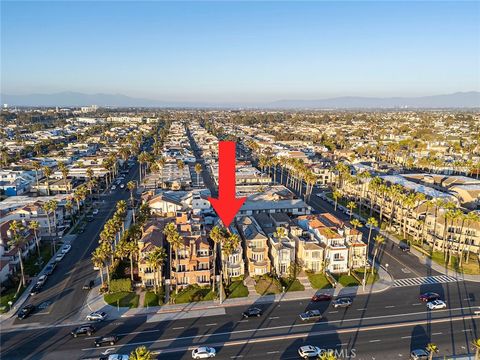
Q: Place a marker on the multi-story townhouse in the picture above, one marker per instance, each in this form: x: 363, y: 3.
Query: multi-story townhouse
x: 256, y: 246
x: 152, y: 238
x: 310, y: 251
x: 9, y: 252
x: 233, y: 262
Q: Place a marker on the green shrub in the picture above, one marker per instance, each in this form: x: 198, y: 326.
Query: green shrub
x: 120, y: 285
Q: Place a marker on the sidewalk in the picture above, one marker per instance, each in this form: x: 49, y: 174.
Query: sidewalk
x: 95, y: 300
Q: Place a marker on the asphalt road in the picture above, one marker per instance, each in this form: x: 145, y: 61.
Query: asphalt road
x: 62, y: 297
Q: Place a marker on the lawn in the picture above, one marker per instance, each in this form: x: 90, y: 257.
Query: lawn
x: 237, y: 289
x: 151, y: 299
x: 122, y: 299
x: 318, y: 281
x: 292, y: 285
x: 346, y: 280
x: 370, y: 279
x: 193, y: 293
x: 472, y: 268
x: 32, y: 266
x: 267, y: 285
x: 8, y: 295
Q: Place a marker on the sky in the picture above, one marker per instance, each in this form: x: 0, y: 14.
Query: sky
x: 240, y: 51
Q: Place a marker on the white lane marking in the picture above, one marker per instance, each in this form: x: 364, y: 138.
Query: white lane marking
x: 362, y: 309
x: 376, y: 340
x: 466, y: 330
x: 437, y: 333
x: 273, y: 352
x: 242, y: 321
x: 389, y: 306
x: 236, y: 356
x: 213, y: 324
x: 179, y: 328
x: 416, y: 304
x: 274, y: 317
x: 333, y: 312
x: 342, y: 344
x: 406, y: 337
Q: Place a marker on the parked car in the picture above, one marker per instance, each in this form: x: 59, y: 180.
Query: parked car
x: 83, y: 330
x: 476, y: 312
x: 59, y: 257
x: 49, y: 269
x: 321, y: 297
x: 88, y: 285
x: 404, y: 247
x: 108, y: 339
x: 419, y: 354
x: 89, y: 218
x: 95, y: 211
x: 309, y: 352
x: 251, y: 312
x: 26, y: 311
x: 122, y: 185
x: 343, y: 302
x: 429, y: 296
x: 311, y: 315
x: 66, y: 248
x: 436, y: 305
x: 97, y: 316
x: 118, y: 357
x: 36, y: 289
x: 203, y: 352
x: 42, y: 280
x: 114, y: 187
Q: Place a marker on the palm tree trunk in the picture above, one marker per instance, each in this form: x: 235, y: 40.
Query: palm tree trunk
x: 21, y: 265
x: 131, y: 265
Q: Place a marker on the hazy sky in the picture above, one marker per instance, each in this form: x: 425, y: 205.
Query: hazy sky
x: 240, y: 51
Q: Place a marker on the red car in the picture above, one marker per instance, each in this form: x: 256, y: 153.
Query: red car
x: 321, y: 297
x: 429, y: 296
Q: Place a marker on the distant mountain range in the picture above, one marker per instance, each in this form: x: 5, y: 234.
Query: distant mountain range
x: 66, y: 99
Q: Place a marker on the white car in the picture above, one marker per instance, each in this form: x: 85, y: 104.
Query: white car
x: 95, y: 211
x: 476, y: 312
x: 122, y: 185
x: 113, y: 187
x: 203, y: 352
x: 60, y: 257
x: 41, y: 280
x: 309, y: 351
x: 66, y: 249
x: 97, y: 316
x: 118, y: 357
x: 436, y: 305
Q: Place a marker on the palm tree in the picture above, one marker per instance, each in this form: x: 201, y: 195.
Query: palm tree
x: 327, y: 355
x: 98, y: 260
x: 131, y: 186
x: 476, y: 345
x: 47, y: 172
x: 142, y: 159
x: 131, y: 248
x: 336, y: 195
x: 371, y: 223
x: 198, y: 171
x: 218, y: 235
x: 379, y: 240
x: 174, y: 241
x: 17, y: 241
x: 229, y: 246
x: 351, y: 206
x: 141, y: 353
x: 432, y: 349
x: 36, y: 166
x: 34, y: 226
x: 155, y: 260
x: 356, y: 223
x: 64, y: 170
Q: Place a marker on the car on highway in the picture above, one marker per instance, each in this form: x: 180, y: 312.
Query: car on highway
x: 436, y: 305
x: 83, y: 330
x: 66, y: 248
x: 116, y: 357
x: 97, y: 316
x: 88, y: 284
x: 343, y: 302
x: 476, y: 312
x: 419, y: 354
x: 122, y: 185
x: 95, y: 211
x: 108, y: 339
x: 42, y: 280
x: 429, y: 296
x: 36, y: 289
x: 252, y: 312
x: 49, y: 269
x: 59, y: 257
x: 310, y: 315
x: 321, y: 297
x: 203, y: 352
x: 309, y: 352
x: 114, y: 187
x: 26, y: 311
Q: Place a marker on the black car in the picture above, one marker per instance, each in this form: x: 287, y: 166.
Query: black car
x: 88, y: 284
x: 26, y: 311
x: 36, y: 289
x: 342, y: 302
x: 252, y: 312
x: 83, y: 330
x: 109, y: 339
x: 49, y: 269
x: 429, y: 296
x: 404, y: 247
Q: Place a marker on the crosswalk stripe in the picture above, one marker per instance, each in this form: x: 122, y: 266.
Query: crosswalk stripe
x: 439, y: 279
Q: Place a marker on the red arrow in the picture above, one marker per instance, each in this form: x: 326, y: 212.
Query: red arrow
x: 227, y: 205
